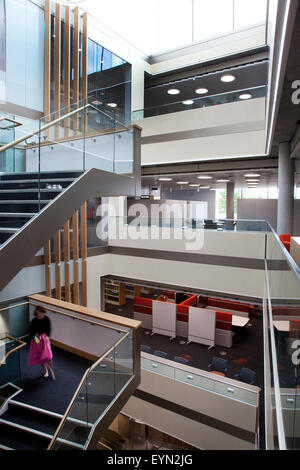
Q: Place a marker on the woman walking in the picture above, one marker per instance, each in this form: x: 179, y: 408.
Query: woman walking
x: 40, y: 347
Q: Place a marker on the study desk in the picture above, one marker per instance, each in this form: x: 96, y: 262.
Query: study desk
x: 282, y: 325
x: 240, y: 322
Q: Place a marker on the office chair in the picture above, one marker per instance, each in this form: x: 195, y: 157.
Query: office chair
x: 182, y: 360
x: 160, y: 354
x: 246, y: 375
x: 218, y: 365
x: 145, y: 348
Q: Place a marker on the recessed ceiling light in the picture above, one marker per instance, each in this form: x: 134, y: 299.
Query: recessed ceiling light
x: 212, y: 189
x: 204, y: 187
x: 173, y: 91
x: 182, y: 182
x: 204, y: 177
x: 97, y: 103
x: 223, y: 181
x: 201, y: 91
x: 245, y: 96
x: 227, y: 78
x: 188, y: 102
x: 252, y: 181
x: 254, y: 175
x: 165, y: 179
x: 112, y: 105
x: 194, y: 185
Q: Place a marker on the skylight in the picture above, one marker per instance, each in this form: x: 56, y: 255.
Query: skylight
x: 155, y: 26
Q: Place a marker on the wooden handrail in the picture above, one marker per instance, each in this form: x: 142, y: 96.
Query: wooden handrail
x: 22, y: 344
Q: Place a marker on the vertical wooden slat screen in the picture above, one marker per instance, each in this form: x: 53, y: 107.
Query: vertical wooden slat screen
x: 57, y: 67
x: 76, y: 56
x: 57, y: 260
x: 47, y: 256
x: 83, y: 230
x: 47, y: 69
x: 67, y: 67
x: 84, y: 57
x: 75, y: 257
x: 67, y: 261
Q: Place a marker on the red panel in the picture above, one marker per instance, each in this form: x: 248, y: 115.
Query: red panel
x: 170, y: 294
x: 190, y: 301
x: 143, y: 309
x: 224, y: 316
x: 228, y: 304
x: 182, y: 317
x: 182, y: 309
x: 221, y: 325
x: 285, y: 237
x: 142, y: 301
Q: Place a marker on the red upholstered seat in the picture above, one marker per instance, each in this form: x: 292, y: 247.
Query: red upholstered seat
x: 286, y: 241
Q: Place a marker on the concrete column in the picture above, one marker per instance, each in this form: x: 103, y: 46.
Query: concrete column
x: 230, y: 201
x: 286, y: 181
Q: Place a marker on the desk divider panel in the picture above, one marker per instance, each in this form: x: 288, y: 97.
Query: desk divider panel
x: 202, y: 326
x: 164, y: 318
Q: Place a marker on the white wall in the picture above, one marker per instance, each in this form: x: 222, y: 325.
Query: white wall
x: 228, y: 130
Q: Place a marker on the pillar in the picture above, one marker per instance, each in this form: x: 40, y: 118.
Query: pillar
x: 286, y: 177
x: 230, y: 201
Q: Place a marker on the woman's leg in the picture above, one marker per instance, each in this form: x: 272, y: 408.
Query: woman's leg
x: 46, y: 373
x: 49, y: 369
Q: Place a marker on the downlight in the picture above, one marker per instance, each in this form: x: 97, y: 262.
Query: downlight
x: 173, y: 91
x: 201, y: 91
x: 227, y: 78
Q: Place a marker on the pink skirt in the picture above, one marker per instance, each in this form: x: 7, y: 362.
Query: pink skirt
x: 40, y: 353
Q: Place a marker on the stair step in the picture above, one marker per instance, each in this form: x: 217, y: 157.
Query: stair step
x: 32, y: 419
x: 20, y: 427
x: 27, y: 201
x: 19, y: 439
x: 30, y: 190
x: 46, y: 180
x: 44, y: 175
x: 9, y: 229
x: 24, y: 215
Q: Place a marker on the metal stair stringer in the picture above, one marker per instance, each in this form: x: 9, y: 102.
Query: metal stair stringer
x: 23, y: 245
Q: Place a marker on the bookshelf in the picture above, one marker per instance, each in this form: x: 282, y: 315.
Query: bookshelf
x: 114, y: 292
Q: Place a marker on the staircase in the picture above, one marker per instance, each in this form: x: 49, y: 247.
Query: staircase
x: 19, y: 197
x: 25, y: 427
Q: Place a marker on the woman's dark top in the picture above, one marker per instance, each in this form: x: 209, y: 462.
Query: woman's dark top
x: 40, y: 326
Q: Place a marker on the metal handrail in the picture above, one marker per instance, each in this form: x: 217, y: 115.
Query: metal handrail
x: 21, y: 345
x: 56, y: 121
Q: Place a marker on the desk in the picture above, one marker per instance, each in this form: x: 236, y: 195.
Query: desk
x: 217, y: 373
x: 241, y: 322
x: 282, y: 325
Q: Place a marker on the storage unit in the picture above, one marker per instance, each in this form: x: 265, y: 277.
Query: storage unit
x: 114, y: 292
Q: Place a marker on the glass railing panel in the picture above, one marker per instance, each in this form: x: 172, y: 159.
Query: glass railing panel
x: 124, y: 151
x: 284, y: 300
x: 10, y: 372
x: 197, y: 103
x: 101, y: 385
x: 75, y: 428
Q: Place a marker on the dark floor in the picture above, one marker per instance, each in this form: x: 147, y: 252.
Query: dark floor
x: 246, y: 351
x: 46, y: 393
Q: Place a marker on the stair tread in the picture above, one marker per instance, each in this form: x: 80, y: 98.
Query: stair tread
x: 31, y: 419
x: 22, y: 201
x: 30, y: 190
x: 21, y: 440
x: 50, y: 180
x: 9, y: 229
x: 18, y: 214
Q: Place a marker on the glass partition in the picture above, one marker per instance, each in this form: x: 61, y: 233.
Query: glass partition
x: 204, y: 102
x: 100, y: 386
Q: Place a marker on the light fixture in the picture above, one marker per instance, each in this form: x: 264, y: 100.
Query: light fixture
x: 245, y: 96
x: 253, y: 175
x: 204, y: 187
x: 204, y: 177
x: 201, y: 91
x: 112, y: 105
x: 165, y: 179
x: 188, y: 102
x: 182, y: 182
x: 227, y: 78
x: 212, y: 189
x: 97, y: 103
x: 194, y: 185
x: 223, y: 181
x: 252, y: 181
x: 173, y: 91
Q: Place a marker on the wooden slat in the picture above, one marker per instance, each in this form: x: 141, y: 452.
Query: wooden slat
x: 75, y: 257
x: 67, y: 261
x: 83, y: 231
x: 47, y: 252
x: 76, y: 56
x: 84, y: 57
x: 67, y: 71
x: 57, y: 67
x: 47, y: 70
x: 57, y: 259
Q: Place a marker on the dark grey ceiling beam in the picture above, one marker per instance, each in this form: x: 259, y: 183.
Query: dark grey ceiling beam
x: 219, y: 165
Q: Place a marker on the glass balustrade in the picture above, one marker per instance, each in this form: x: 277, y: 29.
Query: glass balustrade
x: 204, y: 102
x: 101, y: 385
